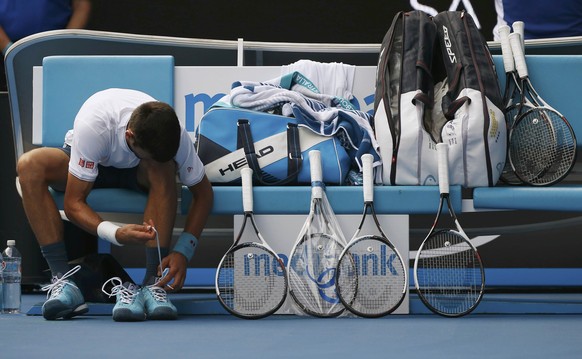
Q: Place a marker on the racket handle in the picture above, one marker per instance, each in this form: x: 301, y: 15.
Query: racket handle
x: 368, y: 177
x: 508, y: 62
x: 519, y: 57
x: 246, y: 175
x: 443, y: 166
x: 519, y: 28
x: 316, y: 174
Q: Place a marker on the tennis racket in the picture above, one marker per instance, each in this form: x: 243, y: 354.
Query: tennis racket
x: 542, y: 144
x: 511, y: 97
x: 371, y: 275
x: 251, y: 279
x: 313, y: 259
x: 448, y: 272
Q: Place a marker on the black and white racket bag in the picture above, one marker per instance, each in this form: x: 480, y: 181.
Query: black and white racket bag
x: 436, y: 82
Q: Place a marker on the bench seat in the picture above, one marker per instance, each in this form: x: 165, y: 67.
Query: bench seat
x: 566, y: 198
x: 343, y: 199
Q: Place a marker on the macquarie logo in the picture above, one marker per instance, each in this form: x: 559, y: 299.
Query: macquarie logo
x: 449, y: 45
x: 241, y: 162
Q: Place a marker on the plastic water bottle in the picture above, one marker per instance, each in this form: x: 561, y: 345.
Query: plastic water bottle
x: 2, y: 264
x: 12, y: 276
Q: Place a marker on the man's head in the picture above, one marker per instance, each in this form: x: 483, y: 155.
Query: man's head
x: 154, y: 128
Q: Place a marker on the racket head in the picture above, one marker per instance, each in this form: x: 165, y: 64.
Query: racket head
x: 508, y: 175
x: 311, y: 269
x: 448, y: 274
x: 371, y: 277
x: 251, y: 281
x: 511, y: 96
x: 542, y: 147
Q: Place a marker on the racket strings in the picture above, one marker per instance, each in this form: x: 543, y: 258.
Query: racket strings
x: 507, y: 174
x: 542, y: 147
x: 251, y: 281
x: 372, y: 277
x: 449, y: 274
x: 312, y: 274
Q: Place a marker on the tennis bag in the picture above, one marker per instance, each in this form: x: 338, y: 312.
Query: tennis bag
x: 96, y: 269
x: 275, y: 147
x: 436, y: 82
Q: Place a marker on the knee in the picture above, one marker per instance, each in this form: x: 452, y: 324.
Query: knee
x: 25, y: 167
x: 30, y: 169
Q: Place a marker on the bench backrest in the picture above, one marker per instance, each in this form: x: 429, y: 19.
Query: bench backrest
x: 69, y: 80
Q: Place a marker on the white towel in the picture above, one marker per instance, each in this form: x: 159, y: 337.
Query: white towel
x: 334, y: 78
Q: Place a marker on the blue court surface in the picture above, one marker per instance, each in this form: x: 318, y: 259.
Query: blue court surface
x: 504, y: 326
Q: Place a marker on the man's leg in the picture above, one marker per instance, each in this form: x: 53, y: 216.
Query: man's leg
x: 37, y: 170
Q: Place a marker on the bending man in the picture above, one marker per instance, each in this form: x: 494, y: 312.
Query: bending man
x: 120, y: 138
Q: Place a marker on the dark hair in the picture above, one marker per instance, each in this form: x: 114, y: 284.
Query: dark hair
x: 156, y: 129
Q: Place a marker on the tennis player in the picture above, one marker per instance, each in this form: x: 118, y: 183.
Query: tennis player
x: 122, y: 139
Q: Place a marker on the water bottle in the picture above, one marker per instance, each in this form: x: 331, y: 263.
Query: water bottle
x: 12, y: 275
x: 2, y: 264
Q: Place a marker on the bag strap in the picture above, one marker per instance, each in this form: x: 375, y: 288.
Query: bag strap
x: 294, y: 157
x: 451, y: 107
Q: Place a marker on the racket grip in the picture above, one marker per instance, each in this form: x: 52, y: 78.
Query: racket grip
x: 443, y: 166
x: 368, y: 177
x: 519, y: 28
x: 316, y: 174
x: 507, y: 54
x: 247, y: 189
x: 515, y: 42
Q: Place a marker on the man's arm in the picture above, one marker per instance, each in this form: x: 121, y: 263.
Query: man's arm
x: 80, y: 213
x: 80, y: 16
x: 4, y: 40
x: 76, y: 208
x: 200, y: 207
x: 198, y: 213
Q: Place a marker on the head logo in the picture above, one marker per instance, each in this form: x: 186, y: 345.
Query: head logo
x: 430, y: 180
x: 241, y: 162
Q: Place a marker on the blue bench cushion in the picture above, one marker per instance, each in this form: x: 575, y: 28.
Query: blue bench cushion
x: 554, y: 198
x: 69, y: 80
x: 114, y: 200
x: 343, y: 199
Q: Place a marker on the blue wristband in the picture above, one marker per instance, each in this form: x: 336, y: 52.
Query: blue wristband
x: 186, y: 245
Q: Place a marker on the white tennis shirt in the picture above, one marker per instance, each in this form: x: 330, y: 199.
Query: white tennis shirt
x: 98, y: 137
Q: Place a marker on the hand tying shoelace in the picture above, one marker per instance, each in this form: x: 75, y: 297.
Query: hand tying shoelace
x: 134, y: 303
x: 164, y: 272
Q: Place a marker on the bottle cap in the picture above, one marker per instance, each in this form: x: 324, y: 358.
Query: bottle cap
x: 10, y: 242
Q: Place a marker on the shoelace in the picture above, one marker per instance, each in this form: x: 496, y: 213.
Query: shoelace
x: 56, y: 286
x: 164, y: 271
x: 159, y: 251
x: 158, y: 293
x: 127, y: 296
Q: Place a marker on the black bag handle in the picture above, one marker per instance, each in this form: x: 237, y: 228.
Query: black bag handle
x: 294, y: 157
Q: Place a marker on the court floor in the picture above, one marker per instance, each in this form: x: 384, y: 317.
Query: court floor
x: 217, y: 335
